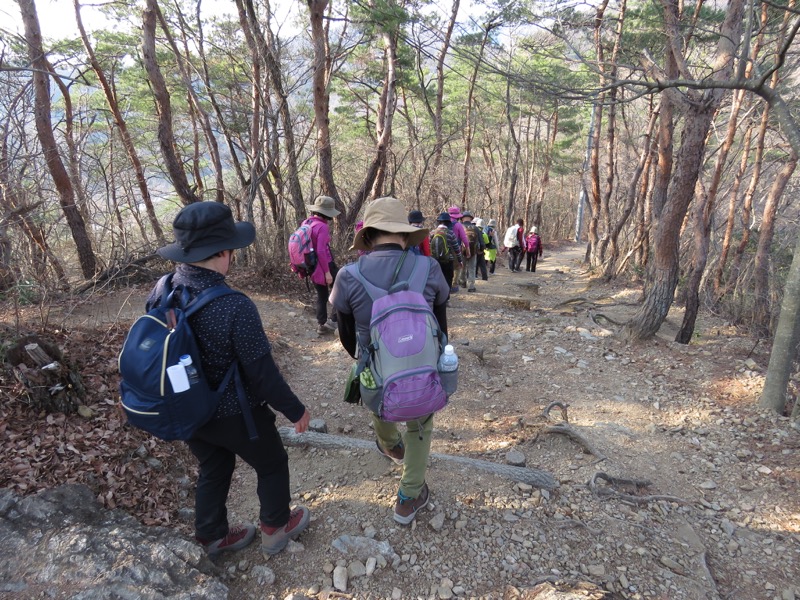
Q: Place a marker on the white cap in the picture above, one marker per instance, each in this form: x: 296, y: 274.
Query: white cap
x: 185, y: 360
x: 449, y: 349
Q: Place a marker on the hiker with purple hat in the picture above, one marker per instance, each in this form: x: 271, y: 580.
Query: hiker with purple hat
x: 461, y: 235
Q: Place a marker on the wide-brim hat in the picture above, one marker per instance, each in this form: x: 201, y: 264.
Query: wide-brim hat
x: 444, y: 218
x: 455, y: 212
x: 324, y: 205
x: 204, y: 228
x: 533, y: 230
x: 466, y: 214
x: 492, y: 223
x: 388, y: 214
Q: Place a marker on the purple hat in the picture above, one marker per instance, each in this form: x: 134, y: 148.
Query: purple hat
x: 455, y: 212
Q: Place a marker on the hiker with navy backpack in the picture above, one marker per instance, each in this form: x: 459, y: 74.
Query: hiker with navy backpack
x: 228, y: 332
x: 392, y: 307
x: 417, y: 219
x: 322, y: 213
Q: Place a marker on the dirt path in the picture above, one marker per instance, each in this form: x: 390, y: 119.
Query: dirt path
x: 720, y: 517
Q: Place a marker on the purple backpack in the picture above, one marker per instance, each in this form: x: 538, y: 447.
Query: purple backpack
x: 404, y: 349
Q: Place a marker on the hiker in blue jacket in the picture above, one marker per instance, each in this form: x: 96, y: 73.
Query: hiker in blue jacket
x: 229, y: 329
x: 386, y: 234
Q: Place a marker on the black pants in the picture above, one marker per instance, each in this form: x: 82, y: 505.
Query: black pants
x: 448, y: 271
x: 532, y: 259
x: 481, y: 265
x: 514, y: 258
x: 216, y: 446
x: 323, y: 292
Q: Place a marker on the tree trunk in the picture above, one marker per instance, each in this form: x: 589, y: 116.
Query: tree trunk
x: 119, y: 120
x: 195, y: 105
x: 42, y: 117
x: 435, y: 192
x: 700, y: 109
x: 321, y: 81
x: 630, y: 198
x: 761, y: 304
x: 469, y: 128
x: 269, y: 57
x: 166, y: 137
x: 703, y: 215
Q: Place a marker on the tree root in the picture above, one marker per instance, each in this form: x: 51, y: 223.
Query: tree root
x: 597, y: 317
x: 576, y: 437
x: 564, y: 428
x: 573, y: 301
x: 562, y: 405
x: 638, y: 484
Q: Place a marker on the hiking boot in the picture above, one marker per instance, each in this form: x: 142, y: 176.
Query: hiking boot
x: 275, y: 539
x: 454, y: 289
x: 237, y: 538
x: 324, y: 329
x: 405, y: 509
x: 472, y: 289
x: 397, y: 454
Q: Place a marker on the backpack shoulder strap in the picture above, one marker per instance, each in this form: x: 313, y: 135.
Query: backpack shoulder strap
x: 373, y: 291
x: 207, y: 296
x: 419, y: 275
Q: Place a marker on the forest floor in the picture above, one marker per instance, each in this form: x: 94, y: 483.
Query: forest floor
x: 715, y: 512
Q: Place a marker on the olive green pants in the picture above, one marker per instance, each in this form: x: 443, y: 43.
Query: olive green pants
x: 417, y: 441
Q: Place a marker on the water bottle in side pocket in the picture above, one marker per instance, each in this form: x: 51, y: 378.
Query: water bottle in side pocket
x: 448, y: 370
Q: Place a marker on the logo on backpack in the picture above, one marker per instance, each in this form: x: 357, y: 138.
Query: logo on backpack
x: 156, y: 392
x: 302, y: 257
x: 402, y: 357
x: 440, y: 250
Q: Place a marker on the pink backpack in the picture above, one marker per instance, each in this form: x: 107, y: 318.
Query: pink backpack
x: 532, y: 244
x: 302, y: 257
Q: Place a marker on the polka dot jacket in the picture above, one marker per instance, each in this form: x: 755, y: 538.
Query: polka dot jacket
x: 229, y: 328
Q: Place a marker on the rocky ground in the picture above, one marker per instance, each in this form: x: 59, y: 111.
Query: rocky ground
x: 672, y: 484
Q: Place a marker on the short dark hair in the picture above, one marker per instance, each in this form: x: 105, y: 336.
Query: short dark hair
x: 520, y: 221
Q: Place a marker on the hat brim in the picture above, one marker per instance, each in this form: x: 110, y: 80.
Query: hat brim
x: 416, y: 234
x: 328, y: 212
x: 245, y: 235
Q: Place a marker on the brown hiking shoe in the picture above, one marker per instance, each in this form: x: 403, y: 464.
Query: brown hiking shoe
x: 275, y: 539
x: 397, y: 454
x: 405, y: 509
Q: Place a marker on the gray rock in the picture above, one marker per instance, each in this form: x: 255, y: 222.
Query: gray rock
x: 362, y: 547
x: 437, y: 522
x: 263, y: 575
x: 318, y: 425
x: 340, y: 578
x: 515, y: 458
x: 45, y: 535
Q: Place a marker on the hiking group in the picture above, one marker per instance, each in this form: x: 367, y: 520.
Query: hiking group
x: 203, y: 344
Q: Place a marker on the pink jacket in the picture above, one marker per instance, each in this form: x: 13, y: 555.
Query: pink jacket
x: 320, y: 239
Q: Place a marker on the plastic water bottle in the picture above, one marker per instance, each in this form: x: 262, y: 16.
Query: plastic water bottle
x: 448, y: 369
x: 191, y: 370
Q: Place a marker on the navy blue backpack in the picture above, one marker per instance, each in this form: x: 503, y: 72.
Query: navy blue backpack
x: 155, y: 342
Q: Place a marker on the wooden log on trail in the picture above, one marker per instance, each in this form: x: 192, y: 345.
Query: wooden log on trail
x: 534, y: 477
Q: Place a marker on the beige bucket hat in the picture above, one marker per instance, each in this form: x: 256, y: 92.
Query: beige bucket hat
x: 324, y: 205
x: 388, y: 214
